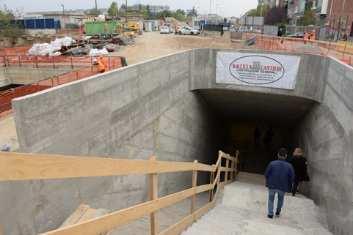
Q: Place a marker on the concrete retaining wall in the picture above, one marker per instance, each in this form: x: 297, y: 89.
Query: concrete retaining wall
x: 134, y: 112
x: 327, y: 136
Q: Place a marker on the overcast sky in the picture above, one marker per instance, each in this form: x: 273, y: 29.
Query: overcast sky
x: 221, y: 7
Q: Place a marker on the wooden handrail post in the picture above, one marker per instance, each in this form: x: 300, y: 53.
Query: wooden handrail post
x: 219, y: 176
x: 232, y: 172
x: 194, y: 184
x: 226, y: 173
x: 211, y: 182
x: 236, y: 163
x: 153, y: 195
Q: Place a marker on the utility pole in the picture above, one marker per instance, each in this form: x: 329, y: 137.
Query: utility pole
x: 96, y: 5
x: 210, y: 6
x: 126, y: 11
x: 62, y: 5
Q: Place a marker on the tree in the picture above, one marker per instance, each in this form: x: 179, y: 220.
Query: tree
x: 8, y: 27
x: 192, y: 12
x: 148, y: 12
x: 276, y: 16
x: 179, y: 15
x: 164, y: 14
x: 260, y: 10
x: 113, y: 9
x: 309, y: 16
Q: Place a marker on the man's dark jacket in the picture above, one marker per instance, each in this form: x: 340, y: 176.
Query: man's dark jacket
x: 280, y: 175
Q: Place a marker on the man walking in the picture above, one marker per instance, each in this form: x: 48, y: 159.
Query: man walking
x: 279, y: 180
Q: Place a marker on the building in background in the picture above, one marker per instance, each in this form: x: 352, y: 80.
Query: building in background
x: 155, y: 9
x: 273, y: 3
x: 340, y: 18
x: 295, y: 10
x: 68, y: 18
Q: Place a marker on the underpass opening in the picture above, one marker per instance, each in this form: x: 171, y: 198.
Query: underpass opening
x: 256, y: 124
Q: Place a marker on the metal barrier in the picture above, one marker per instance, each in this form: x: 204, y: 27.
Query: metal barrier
x: 19, y: 166
x: 340, y: 51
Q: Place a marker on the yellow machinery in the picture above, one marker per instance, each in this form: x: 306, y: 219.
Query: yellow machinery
x: 134, y: 26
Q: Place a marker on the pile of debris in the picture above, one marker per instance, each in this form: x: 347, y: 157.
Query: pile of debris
x: 89, y: 45
x: 53, y: 48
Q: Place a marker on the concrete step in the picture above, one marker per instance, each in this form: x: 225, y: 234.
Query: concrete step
x: 244, y: 211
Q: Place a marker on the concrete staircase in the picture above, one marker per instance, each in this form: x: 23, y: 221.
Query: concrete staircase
x: 243, y: 210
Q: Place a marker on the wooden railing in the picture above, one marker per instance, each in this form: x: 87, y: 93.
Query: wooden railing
x: 18, y: 166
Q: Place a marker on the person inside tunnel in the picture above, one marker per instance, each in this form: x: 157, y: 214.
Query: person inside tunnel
x: 299, y: 164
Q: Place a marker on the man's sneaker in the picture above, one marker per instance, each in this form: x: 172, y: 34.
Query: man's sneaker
x: 278, y: 214
x: 270, y: 216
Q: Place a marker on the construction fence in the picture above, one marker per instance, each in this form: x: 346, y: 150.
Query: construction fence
x: 342, y: 51
x: 83, y: 67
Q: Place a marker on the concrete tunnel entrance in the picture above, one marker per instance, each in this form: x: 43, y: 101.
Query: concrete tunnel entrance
x: 254, y: 123
x: 175, y: 108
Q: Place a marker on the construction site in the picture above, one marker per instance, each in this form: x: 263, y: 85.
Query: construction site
x: 155, y: 134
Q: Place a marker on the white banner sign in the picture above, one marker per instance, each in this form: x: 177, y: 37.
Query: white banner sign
x: 266, y: 70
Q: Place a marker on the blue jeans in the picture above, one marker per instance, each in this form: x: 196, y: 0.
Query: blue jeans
x: 271, y: 199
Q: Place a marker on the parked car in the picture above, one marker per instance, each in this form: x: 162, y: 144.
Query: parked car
x: 296, y: 35
x: 186, y: 30
x: 165, y: 30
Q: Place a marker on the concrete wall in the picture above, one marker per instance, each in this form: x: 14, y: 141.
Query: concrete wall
x: 310, y: 79
x: 134, y: 112
x: 327, y: 136
x: 28, y: 75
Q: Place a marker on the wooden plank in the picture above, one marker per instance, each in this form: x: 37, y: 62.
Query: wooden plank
x: 203, y: 188
x: 17, y: 166
x: 76, y: 215
x: 232, y: 172
x: 153, y: 190
x: 218, y: 163
x: 226, y: 172
x: 226, y: 156
x: 83, y: 213
x: 188, y: 220
x: 216, y: 180
x: 194, y: 184
x: 225, y: 169
x: 118, y: 218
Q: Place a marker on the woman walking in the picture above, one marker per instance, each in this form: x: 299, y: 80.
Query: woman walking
x: 299, y: 163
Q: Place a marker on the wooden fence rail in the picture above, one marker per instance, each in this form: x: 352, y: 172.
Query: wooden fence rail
x: 19, y: 166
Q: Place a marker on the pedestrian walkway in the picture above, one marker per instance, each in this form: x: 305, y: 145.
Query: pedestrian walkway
x: 243, y: 209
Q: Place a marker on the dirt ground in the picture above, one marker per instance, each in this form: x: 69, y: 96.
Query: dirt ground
x: 151, y: 45
x: 147, y: 46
